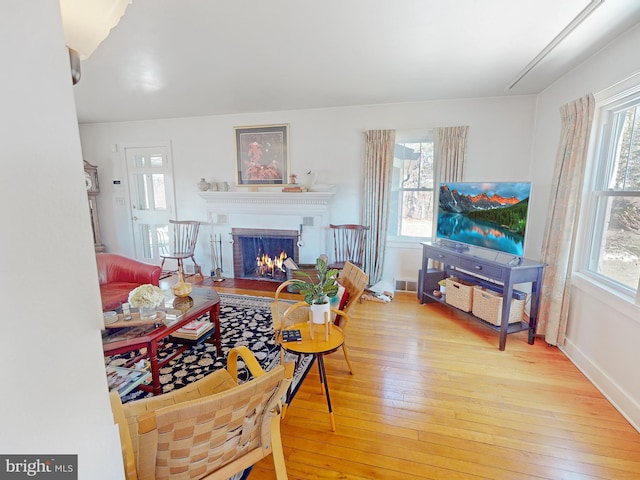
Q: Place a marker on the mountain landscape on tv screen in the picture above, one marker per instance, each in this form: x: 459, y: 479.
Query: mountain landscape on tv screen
x: 507, y: 211
x: 490, y: 215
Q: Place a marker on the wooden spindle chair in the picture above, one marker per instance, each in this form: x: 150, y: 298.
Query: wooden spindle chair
x: 348, y: 242
x: 185, y: 237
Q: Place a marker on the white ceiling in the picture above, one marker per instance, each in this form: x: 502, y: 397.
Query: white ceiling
x: 176, y: 58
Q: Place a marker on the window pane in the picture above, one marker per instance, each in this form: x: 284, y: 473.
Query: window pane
x: 143, y: 194
x: 145, y: 235
x: 411, y: 203
x: 156, y: 160
x: 618, y: 254
x: 417, y: 164
x: 159, y: 198
x: 417, y: 213
x: 627, y: 154
x: 138, y: 161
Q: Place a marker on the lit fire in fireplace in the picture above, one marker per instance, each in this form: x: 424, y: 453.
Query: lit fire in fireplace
x: 270, y: 267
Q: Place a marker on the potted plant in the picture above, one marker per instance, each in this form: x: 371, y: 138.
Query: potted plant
x: 318, y: 289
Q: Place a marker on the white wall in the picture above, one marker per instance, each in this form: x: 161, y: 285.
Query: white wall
x: 54, y: 398
x: 603, y: 330
x: 328, y: 141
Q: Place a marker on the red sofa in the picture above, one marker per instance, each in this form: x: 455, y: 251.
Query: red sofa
x: 119, y: 275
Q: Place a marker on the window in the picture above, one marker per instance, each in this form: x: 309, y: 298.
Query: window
x: 614, y: 249
x: 411, y: 210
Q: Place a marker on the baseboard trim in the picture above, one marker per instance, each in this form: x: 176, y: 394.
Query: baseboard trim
x: 621, y: 401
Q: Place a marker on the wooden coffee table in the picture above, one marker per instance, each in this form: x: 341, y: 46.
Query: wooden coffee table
x: 118, y: 339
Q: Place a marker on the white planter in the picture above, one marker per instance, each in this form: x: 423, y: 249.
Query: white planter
x: 318, y: 312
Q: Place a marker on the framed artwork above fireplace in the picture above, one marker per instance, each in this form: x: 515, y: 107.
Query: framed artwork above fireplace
x: 262, y: 155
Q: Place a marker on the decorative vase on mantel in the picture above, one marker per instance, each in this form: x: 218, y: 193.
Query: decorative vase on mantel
x: 203, y: 185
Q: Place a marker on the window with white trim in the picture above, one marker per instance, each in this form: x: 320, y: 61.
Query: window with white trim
x: 411, y: 208
x: 613, y: 252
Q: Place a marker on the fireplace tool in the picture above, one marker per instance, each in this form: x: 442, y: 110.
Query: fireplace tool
x: 216, y: 260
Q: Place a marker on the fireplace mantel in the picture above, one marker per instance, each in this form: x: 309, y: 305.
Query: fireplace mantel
x: 306, y: 212
x: 283, y: 202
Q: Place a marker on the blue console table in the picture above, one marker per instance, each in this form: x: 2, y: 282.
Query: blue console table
x: 484, y: 267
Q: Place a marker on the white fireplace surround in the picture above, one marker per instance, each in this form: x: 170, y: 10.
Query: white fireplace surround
x: 308, y: 211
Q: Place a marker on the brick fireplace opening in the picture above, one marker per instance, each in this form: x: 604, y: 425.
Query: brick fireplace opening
x: 258, y: 253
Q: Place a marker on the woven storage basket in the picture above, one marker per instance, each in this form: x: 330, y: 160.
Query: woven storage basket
x: 459, y: 295
x: 487, y: 305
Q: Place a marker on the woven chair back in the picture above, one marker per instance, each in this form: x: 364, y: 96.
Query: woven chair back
x: 210, y: 437
x: 355, y: 281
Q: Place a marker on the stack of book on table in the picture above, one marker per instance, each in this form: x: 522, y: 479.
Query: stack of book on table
x: 193, y: 330
x: 172, y: 315
x: 125, y: 379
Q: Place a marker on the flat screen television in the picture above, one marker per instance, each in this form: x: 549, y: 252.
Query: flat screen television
x: 491, y: 215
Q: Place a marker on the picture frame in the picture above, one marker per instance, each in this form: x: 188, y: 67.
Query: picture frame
x: 262, y: 155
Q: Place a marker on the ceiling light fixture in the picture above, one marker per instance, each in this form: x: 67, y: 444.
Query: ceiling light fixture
x: 86, y: 24
x: 588, y: 10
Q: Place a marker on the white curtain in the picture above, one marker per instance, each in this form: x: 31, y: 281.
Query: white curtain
x: 450, y: 153
x: 564, y: 206
x: 449, y: 158
x: 376, y: 192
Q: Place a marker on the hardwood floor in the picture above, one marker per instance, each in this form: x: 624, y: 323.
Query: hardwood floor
x: 432, y: 397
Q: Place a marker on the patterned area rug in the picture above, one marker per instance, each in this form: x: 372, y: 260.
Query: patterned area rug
x: 244, y: 320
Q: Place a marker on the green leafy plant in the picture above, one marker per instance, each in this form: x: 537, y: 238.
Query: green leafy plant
x: 317, y: 289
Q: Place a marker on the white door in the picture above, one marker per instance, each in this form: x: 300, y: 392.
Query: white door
x: 152, y: 200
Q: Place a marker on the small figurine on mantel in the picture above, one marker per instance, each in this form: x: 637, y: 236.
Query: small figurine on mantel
x: 293, y: 185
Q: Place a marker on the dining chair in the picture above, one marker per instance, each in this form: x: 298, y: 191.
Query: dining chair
x: 185, y: 237
x: 348, y: 244
x: 210, y: 429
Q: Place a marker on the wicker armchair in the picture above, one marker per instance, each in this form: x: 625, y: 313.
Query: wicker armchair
x: 286, y: 313
x: 212, y: 428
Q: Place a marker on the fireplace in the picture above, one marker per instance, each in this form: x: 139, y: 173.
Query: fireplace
x: 305, y: 214
x: 259, y: 253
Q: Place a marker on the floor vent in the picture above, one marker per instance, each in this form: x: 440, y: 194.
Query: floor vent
x: 406, y: 286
